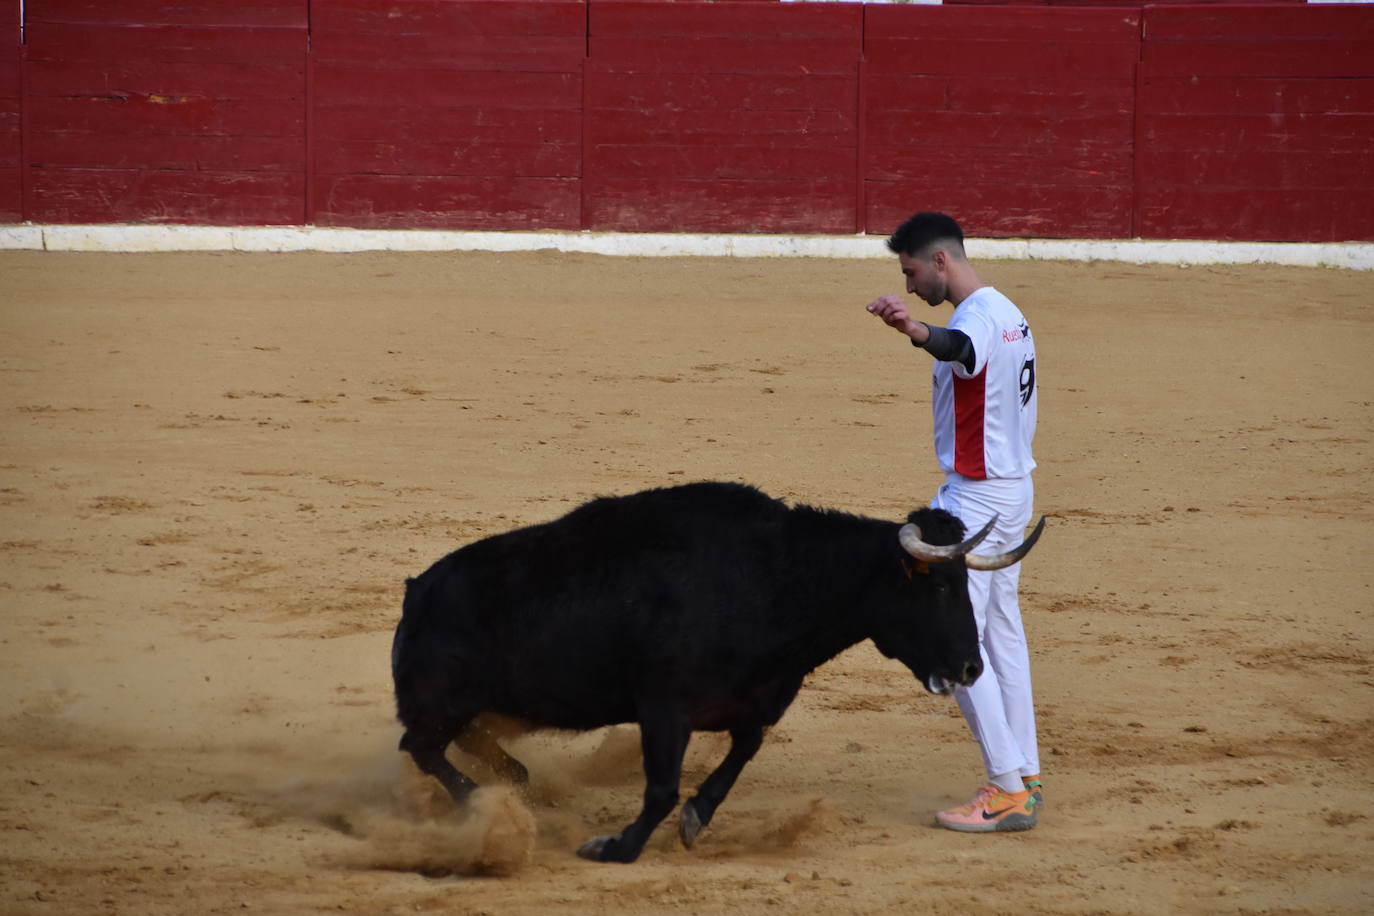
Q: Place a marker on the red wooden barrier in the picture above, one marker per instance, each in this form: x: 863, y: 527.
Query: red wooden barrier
x: 11, y: 94
x: 1019, y: 120
x: 1058, y: 118
x: 448, y: 113
x: 728, y: 117
x: 143, y: 110
x: 1257, y: 123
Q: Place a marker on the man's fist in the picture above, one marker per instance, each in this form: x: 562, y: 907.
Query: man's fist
x: 892, y: 310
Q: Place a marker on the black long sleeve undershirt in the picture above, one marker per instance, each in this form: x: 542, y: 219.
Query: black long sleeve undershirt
x: 948, y: 346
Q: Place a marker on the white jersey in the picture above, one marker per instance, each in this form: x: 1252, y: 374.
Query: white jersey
x: 985, y: 419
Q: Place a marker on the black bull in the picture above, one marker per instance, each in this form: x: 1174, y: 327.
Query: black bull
x: 694, y: 608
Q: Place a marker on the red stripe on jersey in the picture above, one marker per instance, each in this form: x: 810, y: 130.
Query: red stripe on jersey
x: 969, y: 412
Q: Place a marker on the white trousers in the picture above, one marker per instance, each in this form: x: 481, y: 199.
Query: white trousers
x: 999, y: 707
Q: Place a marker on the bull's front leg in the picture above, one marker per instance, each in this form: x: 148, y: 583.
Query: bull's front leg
x: 700, y: 808
x: 663, y: 733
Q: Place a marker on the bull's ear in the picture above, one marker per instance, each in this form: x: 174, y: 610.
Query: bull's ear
x: 913, y: 567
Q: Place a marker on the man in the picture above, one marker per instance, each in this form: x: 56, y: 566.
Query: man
x: 984, y: 403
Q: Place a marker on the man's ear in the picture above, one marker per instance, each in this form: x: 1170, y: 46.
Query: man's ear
x: 940, y: 258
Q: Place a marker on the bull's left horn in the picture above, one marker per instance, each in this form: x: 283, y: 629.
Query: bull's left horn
x: 910, y: 536
x: 1003, y: 560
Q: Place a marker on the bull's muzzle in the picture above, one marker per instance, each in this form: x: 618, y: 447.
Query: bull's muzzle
x: 941, y: 686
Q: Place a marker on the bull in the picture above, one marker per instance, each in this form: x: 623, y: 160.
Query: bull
x: 693, y: 608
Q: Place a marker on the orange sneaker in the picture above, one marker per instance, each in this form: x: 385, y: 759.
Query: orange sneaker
x: 1037, y: 789
x: 992, y: 810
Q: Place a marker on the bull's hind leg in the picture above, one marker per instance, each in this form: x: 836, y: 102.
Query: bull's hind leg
x: 700, y: 808
x: 664, y: 732
x: 426, y: 747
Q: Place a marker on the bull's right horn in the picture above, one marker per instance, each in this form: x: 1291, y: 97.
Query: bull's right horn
x: 1003, y: 560
x: 910, y: 536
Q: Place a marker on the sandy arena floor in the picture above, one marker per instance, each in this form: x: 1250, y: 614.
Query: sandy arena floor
x: 216, y: 470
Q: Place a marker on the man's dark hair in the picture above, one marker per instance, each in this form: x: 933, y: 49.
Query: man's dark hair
x: 916, y: 236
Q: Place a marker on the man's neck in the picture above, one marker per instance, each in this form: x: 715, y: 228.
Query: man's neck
x: 963, y: 283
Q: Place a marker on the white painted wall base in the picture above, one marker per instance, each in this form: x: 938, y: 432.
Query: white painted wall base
x: 130, y: 238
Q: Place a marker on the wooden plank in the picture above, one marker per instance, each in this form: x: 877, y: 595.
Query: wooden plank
x: 1257, y: 214
x: 160, y: 196
x: 674, y: 162
x: 475, y: 52
x: 292, y: 13
x: 9, y: 133
x: 962, y: 130
x: 1006, y: 23
x: 455, y: 125
x: 189, y: 152
x: 9, y: 29
x: 49, y: 41
x: 1010, y: 95
x: 446, y: 202
x: 333, y: 20
x: 1237, y: 95
x: 1207, y: 133
x: 549, y: 35
x: 441, y: 89
x: 909, y: 93
x: 1172, y: 167
x: 1270, y: 59
x: 1072, y: 164
x: 1027, y: 60
x: 668, y: 205
x: 722, y: 55
x: 1048, y: 96
x: 151, y: 116
x: 491, y: 156
x: 9, y: 73
x: 11, y: 196
x: 774, y: 129
x: 1267, y: 23
x: 9, y: 49
x: 723, y: 20
x: 210, y: 79
x: 720, y: 91
x: 1001, y: 210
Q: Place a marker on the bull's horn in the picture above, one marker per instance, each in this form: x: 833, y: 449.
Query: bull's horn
x: 910, y: 536
x: 1003, y: 560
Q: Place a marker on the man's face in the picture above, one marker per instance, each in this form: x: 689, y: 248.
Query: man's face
x: 925, y: 277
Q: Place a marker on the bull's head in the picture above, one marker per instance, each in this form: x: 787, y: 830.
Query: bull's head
x: 944, y: 653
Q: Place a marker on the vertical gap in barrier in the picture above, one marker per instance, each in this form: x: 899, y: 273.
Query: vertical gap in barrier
x: 583, y: 217
x: 861, y: 152
x: 25, y: 125
x: 308, y: 205
x: 308, y: 214
x: 861, y: 128
x: 1138, y: 127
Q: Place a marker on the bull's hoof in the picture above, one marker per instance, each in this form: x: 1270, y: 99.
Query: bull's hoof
x: 607, y: 849
x: 689, y: 825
